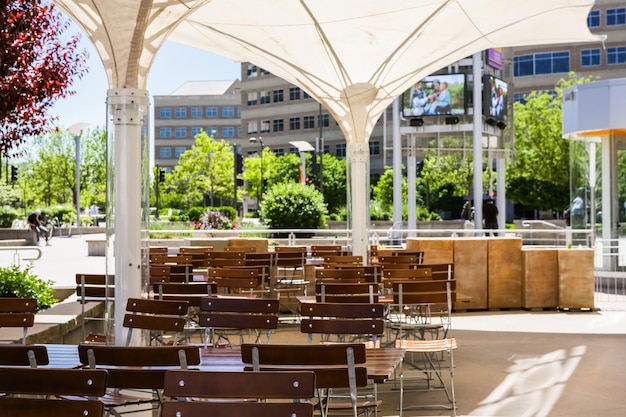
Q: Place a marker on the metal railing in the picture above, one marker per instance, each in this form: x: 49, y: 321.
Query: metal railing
x: 22, y: 253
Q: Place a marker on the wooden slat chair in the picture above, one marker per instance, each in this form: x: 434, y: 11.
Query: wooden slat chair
x: 264, y: 262
x: 98, y: 288
x: 372, y: 273
x: 136, y: 373
x: 18, y: 312
x: 340, y: 275
x: 326, y: 292
x: 245, y: 249
x: 158, y: 316
x: 233, y: 280
x: 193, y: 293
x: 159, y: 273
x: 158, y: 250
x: 241, y: 394
x: 23, y: 355
x: 181, y: 266
x: 336, y: 366
x: 433, y: 368
x: 335, y: 321
x: 35, y: 392
x: 223, y: 315
x: 389, y: 276
x: 398, y: 261
x: 199, y: 254
x: 412, y: 301
x: 441, y: 271
x: 288, y: 276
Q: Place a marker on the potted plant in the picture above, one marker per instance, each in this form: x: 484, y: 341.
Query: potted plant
x: 21, y: 282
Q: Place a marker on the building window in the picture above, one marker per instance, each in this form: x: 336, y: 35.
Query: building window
x: 305, y: 94
x: 196, y: 112
x: 278, y: 125
x: 179, y: 151
x: 294, y: 93
x: 165, y: 152
x: 278, y: 96
x: 543, y: 63
x: 616, y: 55
x: 593, y: 20
x: 326, y: 148
x: 238, y: 131
x: 253, y: 71
x: 211, y: 112
x: 340, y: 150
x: 165, y: 132
x: 253, y: 127
x: 252, y: 98
x: 228, y: 111
x: 294, y: 123
x: 181, y: 132
x: 293, y: 150
x: 239, y: 112
x: 211, y: 131
x: 279, y: 151
x: 590, y: 57
x: 195, y: 131
x: 309, y: 122
x: 228, y: 132
x: 616, y: 17
x: 265, y: 126
x: 264, y: 97
x: 322, y: 120
x: 180, y: 112
x: 375, y: 148
x: 165, y: 113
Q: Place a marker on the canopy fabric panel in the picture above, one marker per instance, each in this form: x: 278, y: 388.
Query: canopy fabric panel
x: 353, y: 57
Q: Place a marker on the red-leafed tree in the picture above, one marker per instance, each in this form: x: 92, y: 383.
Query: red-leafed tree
x: 38, y: 64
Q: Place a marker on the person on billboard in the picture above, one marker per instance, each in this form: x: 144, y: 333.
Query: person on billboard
x: 418, y: 99
x: 441, y: 99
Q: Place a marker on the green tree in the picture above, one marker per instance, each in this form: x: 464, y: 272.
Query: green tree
x: 383, y: 190
x: 207, y: 168
x: 252, y: 167
x: 444, y: 182
x: 334, y: 182
x: 540, y: 174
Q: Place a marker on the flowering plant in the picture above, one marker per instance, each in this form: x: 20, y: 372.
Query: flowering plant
x: 214, y: 220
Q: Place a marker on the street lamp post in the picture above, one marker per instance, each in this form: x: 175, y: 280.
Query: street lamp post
x: 258, y: 191
x: 76, y: 130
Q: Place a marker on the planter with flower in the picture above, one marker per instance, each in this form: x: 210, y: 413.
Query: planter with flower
x: 215, y: 220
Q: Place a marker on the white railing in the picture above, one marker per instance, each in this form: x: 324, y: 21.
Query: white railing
x: 19, y: 254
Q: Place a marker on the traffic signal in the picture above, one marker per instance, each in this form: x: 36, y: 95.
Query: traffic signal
x: 161, y: 174
x: 13, y: 173
x: 264, y: 185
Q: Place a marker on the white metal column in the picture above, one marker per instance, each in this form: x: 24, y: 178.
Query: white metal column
x: 358, y: 157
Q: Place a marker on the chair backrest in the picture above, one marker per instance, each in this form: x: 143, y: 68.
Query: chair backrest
x: 180, y: 265
x: 199, y: 254
x: 290, y: 256
x: 362, y: 319
x: 40, y: 382
x: 23, y: 355
x: 356, y: 274
x: 158, y: 250
x: 390, y: 275
x: 343, y: 259
x: 440, y: 271
x: 284, y: 389
x: 320, y: 251
x: 326, y: 292
x: 347, y: 360
x: 18, y: 312
x: 156, y: 315
x: 424, y: 292
x: 159, y: 273
x: 239, y: 313
x: 95, y: 287
x: 191, y: 292
x: 246, y: 249
x: 139, y: 367
x: 235, y: 280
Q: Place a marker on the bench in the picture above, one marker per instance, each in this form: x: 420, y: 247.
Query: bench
x: 96, y: 247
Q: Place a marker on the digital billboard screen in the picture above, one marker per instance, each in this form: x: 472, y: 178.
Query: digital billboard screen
x: 435, y: 95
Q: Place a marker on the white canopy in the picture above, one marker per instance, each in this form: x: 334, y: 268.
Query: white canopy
x: 353, y: 56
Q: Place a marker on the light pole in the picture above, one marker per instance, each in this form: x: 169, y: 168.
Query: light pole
x: 76, y: 130
x: 258, y: 191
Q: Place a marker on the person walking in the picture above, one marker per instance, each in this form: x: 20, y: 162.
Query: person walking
x: 35, y: 221
x: 490, y: 215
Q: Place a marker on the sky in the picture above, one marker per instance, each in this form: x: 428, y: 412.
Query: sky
x: 173, y: 65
